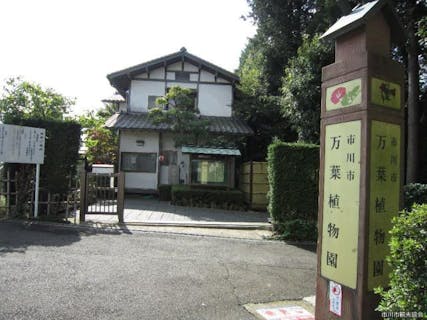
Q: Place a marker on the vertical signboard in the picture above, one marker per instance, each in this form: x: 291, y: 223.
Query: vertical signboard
x: 384, y: 197
x: 341, y: 202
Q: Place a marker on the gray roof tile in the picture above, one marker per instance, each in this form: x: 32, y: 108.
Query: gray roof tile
x: 228, y: 125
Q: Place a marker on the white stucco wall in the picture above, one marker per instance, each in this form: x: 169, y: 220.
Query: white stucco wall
x: 139, y: 92
x: 140, y: 180
x: 215, y: 100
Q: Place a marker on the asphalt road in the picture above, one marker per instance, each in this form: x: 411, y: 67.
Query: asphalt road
x: 48, y: 273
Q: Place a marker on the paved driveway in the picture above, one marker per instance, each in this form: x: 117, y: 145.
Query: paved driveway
x: 65, y: 274
x: 154, y: 211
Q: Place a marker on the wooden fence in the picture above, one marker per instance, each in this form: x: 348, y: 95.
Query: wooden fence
x: 254, y: 184
x: 64, y: 205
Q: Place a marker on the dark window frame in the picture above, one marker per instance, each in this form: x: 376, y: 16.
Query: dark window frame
x: 153, y: 168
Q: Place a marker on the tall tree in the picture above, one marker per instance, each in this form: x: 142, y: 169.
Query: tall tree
x: 301, y: 87
x: 23, y: 100
x: 412, y: 13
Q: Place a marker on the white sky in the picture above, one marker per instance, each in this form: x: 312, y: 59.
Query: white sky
x: 71, y: 45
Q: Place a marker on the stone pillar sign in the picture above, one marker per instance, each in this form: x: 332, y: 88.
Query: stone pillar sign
x: 361, y: 172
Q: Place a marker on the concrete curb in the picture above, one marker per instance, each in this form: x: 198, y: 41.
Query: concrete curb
x: 109, y: 228
x: 217, y: 225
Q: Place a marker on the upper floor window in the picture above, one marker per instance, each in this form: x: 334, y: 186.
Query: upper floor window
x: 152, y: 101
x: 182, y: 76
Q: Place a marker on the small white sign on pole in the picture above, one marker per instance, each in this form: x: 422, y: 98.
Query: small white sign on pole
x: 335, y: 298
x: 20, y: 144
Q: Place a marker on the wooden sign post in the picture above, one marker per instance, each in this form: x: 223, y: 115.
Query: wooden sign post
x: 361, y: 172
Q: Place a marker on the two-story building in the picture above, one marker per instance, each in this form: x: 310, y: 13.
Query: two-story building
x: 148, y: 154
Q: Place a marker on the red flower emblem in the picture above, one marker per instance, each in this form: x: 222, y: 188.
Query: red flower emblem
x: 337, y: 95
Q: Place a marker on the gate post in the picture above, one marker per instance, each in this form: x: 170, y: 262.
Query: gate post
x: 83, y: 196
x: 120, y: 196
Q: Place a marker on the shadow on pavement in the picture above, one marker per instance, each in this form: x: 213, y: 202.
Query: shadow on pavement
x: 17, y: 236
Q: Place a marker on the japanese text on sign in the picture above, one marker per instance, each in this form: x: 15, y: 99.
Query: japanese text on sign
x: 20, y: 144
x: 341, y: 202
x: 385, y: 196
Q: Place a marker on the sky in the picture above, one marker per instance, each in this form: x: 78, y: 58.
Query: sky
x: 71, y: 46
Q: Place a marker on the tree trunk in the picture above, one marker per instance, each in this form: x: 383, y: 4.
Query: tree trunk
x: 413, y: 95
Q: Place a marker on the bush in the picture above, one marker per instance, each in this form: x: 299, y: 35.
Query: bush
x: 297, y: 229
x: 293, y: 177
x: 192, y: 196
x: 414, y: 193
x: 408, y: 256
x: 165, y: 192
x: 61, y: 152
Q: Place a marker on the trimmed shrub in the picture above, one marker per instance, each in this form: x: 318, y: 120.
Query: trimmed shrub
x: 165, y: 192
x: 293, y: 170
x: 60, y: 162
x: 408, y: 256
x: 297, y: 229
x: 414, y: 193
x: 192, y: 196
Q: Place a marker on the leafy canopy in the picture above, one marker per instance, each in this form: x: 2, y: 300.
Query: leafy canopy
x: 101, y: 143
x: 24, y: 100
x: 301, y: 93
x: 177, y: 110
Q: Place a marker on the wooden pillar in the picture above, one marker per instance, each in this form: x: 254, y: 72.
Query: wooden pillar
x: 83, y: 196
x: 120, y: 196
x: 361, y: 167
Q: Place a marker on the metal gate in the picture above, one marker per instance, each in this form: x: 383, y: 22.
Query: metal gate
x: 102, y: 193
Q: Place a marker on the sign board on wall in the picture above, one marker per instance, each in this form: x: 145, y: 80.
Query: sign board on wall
x: 20, y: 144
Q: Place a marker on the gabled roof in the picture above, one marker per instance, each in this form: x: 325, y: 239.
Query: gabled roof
x: 121, y: 79
x: 115, y: 98
x: 359, y: 16
x: 141, y: 121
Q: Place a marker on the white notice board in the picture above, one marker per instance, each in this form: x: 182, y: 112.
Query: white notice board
x: 20, y: 144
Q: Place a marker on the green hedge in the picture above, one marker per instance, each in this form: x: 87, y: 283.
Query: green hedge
x: 407, y: 259
x: 193, y: 196
x: 414, y: 193
x: 165, y: 192
x: 61, y: 152
x: 293, y: 178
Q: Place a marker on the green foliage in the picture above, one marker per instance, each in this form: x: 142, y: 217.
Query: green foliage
x: 414, y: 193
x: 176, y: 109
x: 408, y: 256
x: 293, y: 179
x: 301, y: 94
x: 192, y: 196
x: 25, y: 100
x: 165, y: 192
x: 61, y: 152
x: 101, y: 143
x: 257, y: 107
x: 281, y: 26
x: 297, y: 229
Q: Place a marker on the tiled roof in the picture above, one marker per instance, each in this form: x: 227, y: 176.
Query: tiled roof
x: 141, y: 121
x: 121, y: 79
x: 114, y: 98
x: 204, y: 150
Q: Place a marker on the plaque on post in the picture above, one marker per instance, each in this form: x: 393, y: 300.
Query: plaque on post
x: 361, y: 170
